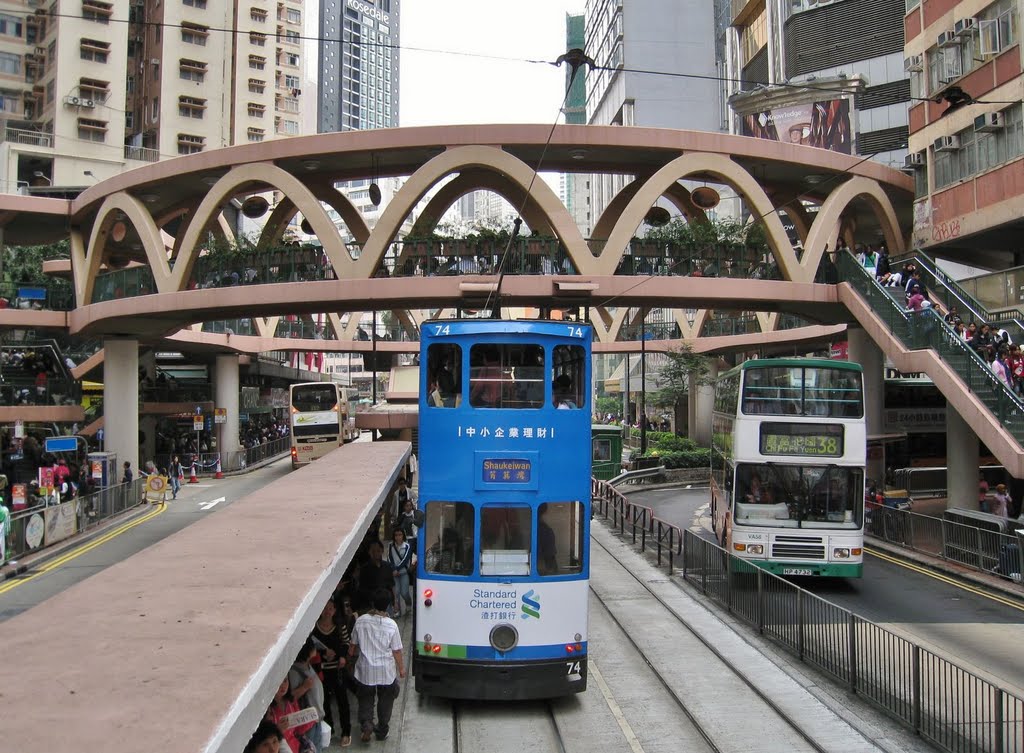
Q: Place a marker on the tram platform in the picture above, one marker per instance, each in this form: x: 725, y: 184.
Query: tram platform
x: 183, y: 644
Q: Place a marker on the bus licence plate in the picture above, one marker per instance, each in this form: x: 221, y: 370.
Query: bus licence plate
x: 797, y: 571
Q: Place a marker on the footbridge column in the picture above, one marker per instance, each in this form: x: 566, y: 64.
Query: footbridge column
x: 863, y: 350
x: 121, y: 401
x: 226, y: 396
x: 702, y: 404
x: 962, y: 450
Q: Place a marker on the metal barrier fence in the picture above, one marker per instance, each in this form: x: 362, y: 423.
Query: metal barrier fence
x: 941, y: 701
x: 92, y: 509
x: 979, y: 549
x: 206, y: 462
x: 931, y: 481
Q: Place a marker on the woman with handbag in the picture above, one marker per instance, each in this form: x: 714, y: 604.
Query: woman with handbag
x: 327, y: 632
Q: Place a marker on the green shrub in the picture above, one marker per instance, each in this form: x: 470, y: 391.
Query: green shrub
x: 699, y: 457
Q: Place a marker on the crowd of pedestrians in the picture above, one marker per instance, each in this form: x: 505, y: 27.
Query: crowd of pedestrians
x: 354, y: 652
x: 28, y: 376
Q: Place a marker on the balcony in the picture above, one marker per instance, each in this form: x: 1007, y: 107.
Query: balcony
x: 29, y: 138
x: 141, y: 154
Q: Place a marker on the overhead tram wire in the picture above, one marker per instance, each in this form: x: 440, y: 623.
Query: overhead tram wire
x: 501, y: 58
x: 575, y: 58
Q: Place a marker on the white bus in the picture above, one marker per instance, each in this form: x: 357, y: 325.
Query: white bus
x: 787, y: 466
x: 319, y: 420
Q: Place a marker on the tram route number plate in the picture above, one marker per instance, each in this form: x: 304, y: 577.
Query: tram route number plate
x: 797, y: 571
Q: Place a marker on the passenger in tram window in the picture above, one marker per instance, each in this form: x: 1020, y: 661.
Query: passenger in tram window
x: 485, y: 382
x: 562, y: 392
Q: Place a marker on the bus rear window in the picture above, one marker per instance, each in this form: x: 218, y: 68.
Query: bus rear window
x: 506, y: 376
x: 312, y: 398
x: 448, y: 532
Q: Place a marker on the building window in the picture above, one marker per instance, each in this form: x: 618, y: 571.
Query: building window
x: 294, y: 16
x: 259, y: 15
x: 154, y: 113
x: 997, y: 27
x: 10, y: 63
x: 255, y: 134
x: 257, y: 62
x: 10, y: 26
x: 291, y: 82
x: 291, y: 37
x: 190, y: 144
x: 90, y: 88
x: 200, y: 4
x: 256, y: 110
x: 94, y: 50
x: 129, y: 121
x: 191, y: 107
x: 99, y: 12
x: 257, y: 38
x: 291, y: 58
x: 256, y: 86
x: 129, y: 84
x: 92, y: 130
x: 194, y: 33
x: 978, y: 151
x: 192, y: 70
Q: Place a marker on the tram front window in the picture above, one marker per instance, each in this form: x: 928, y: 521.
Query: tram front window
x: 505, y: 541
x: 444, y: 374
x: 506, y: 376
x: 449, y: 538
x: 560, y: 538
x: 795, y: 496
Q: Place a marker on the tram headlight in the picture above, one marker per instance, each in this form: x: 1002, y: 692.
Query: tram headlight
x: 841, y: 553
x: 503, y: 637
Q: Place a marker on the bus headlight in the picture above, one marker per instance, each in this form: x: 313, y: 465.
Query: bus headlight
x: 755, y: 548
x: 503, y: 638
x: 841, y: 553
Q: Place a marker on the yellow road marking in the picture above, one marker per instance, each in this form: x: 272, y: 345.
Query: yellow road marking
x: 620, y: 718
x: 946, y: 579
x: 84, y: 549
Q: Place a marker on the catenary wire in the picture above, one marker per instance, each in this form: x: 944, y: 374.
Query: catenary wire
x: 502, y: 58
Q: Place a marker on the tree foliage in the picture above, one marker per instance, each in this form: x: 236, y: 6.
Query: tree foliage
x: 674, y: 378
x: 696, y: 236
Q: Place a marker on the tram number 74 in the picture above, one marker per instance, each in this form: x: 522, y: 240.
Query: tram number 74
x: 572, y: 667
x: 575, y: 332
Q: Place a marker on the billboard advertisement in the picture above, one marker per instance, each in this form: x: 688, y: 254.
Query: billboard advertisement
x: 825, y: 125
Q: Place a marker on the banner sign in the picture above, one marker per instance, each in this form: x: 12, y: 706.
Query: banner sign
x: 61, y: 522
x: 825, y: 125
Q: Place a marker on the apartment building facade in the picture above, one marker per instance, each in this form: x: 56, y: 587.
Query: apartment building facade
x: 965, y: 62
x: 86, y: 95
x: 824, y: 73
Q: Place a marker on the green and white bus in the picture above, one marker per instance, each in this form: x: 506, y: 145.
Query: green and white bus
x: 788, y: 451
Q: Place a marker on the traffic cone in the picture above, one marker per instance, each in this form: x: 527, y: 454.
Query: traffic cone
x: 193, y: 479
x: 218, y: 474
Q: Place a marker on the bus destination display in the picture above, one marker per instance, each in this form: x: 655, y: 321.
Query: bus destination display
x: 507, y: 470
x: 810, y: 440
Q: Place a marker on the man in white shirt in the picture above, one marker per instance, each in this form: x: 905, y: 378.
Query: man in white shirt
x: 378, y: 644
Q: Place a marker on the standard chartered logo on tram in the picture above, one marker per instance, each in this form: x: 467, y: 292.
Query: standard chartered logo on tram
x: 531, y: 604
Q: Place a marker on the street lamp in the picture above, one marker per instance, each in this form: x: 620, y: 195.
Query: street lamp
x: 44, y: 176
x: 643, y: 383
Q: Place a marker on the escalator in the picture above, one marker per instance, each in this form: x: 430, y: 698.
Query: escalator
x: 924, y: 342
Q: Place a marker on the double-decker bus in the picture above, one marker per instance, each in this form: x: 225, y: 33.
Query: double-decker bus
x: 503, y: 555
x: 319, y: 418
x: 787, y: 465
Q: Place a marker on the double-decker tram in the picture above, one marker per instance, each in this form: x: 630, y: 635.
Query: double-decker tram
x: 787, y: 465
x: 503, y: 555
x: 319, y: 415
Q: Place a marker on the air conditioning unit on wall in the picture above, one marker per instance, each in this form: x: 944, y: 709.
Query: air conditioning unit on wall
x: 913, y: 64
x: 946, y: 144
x: 947, y: 39
x: 914, y: 160
x: 989, y: 122
x: 965, y: 27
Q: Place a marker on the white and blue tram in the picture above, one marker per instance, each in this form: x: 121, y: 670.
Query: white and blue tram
x: 503, y: 555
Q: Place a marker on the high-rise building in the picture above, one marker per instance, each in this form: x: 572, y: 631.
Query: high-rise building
x: 575, y: 188
x: 86, y: 96
x: 626, y: 38
x: 967, y: 134
x: 359, y: 62
x: 824, y: 73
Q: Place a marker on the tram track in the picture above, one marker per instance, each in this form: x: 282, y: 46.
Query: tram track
x: 483, y: 727
x: 696, y: 712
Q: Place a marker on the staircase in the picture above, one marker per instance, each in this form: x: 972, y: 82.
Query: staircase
x: 923, y: 342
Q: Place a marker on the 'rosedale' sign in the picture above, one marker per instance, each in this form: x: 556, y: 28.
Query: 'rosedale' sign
x: 368, y: 10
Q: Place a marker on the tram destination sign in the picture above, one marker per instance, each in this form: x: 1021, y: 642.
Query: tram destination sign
x: 507, y: 470
x: 808, y: 440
